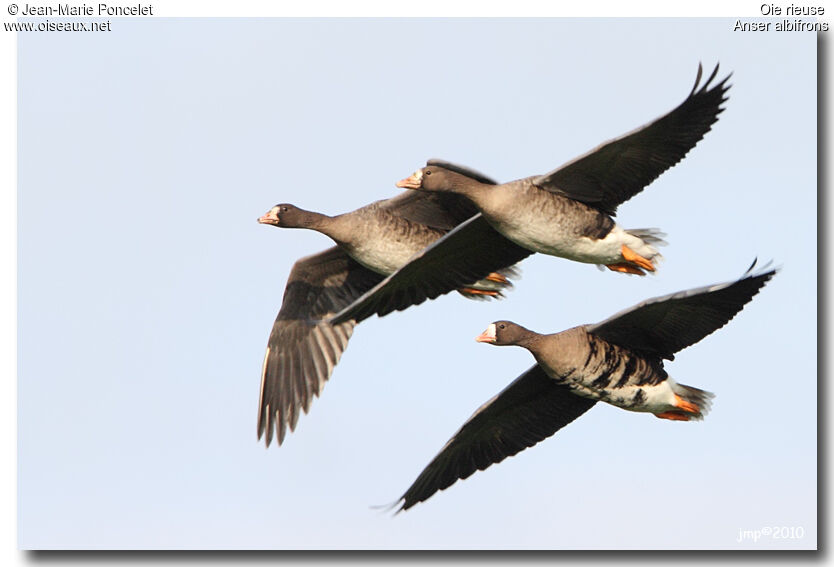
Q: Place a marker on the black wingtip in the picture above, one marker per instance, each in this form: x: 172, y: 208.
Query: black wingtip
x: 711, y: 77
x: 750, y: 267
x: 754, y: 279
x: 768, y: 270
x: 386, y: 508
x: 722, y: 86
x: 760, y: 273
x: 697, y: 78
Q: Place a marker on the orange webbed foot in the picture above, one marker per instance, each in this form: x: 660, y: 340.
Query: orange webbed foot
x: 684, y: 412
x: 498, y: 278
x: 673, y: 415
x: 686, y: 406
x: 630, y: 255
x: 626, y: 269
x: 473, y: 291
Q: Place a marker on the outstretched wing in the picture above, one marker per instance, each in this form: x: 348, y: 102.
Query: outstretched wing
x: 304, y: 346
x: 615, y: 171
x: 303, y: 350
x: 532, y: 408
x: 463, y: 256
x: 664, y: 325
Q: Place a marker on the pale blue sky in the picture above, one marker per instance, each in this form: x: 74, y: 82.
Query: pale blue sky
x: 147, y: 289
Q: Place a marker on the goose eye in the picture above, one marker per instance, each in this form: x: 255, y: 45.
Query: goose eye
x: 501, y: 326
x: 284, y: 209
x: 427, y: 172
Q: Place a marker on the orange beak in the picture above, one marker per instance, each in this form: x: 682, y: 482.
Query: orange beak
x: 270, y: 217
x: 487, y: 336
x: 415, y: 181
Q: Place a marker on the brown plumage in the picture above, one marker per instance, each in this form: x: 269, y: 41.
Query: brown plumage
x: 618, y: 361
x: 372, y: 243
x: 567, y: 212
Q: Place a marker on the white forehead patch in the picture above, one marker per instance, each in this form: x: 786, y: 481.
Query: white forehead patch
x: 418, y: 175
x: 490, y: 331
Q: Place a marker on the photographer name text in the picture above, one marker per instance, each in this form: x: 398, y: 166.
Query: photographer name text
x: 87, y: 10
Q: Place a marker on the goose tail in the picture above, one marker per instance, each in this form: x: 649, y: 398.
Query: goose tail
x: 691, y: 404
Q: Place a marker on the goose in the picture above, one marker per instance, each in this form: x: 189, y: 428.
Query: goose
x: 518, y: 219
x: 618, y: 361
x: 568, y: 211
x: 371, y: 243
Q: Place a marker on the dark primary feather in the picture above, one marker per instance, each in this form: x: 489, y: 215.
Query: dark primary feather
x: 615, y: 171
x: 664, y: 325
x: 465, y: 255
x: 302, y: 350
x: 532, y: 408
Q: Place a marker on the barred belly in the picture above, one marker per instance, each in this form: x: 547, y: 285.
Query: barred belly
x: 617, y: 376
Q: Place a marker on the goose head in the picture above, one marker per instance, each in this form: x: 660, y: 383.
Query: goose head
x: 502, y: 333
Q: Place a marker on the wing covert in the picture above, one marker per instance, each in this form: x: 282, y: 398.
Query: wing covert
x: 616, y: 170
x: 662, y: 326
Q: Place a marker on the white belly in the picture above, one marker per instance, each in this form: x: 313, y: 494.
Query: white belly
x: 548, y: 236
x: 654, y: 399
x: 383, y: 257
